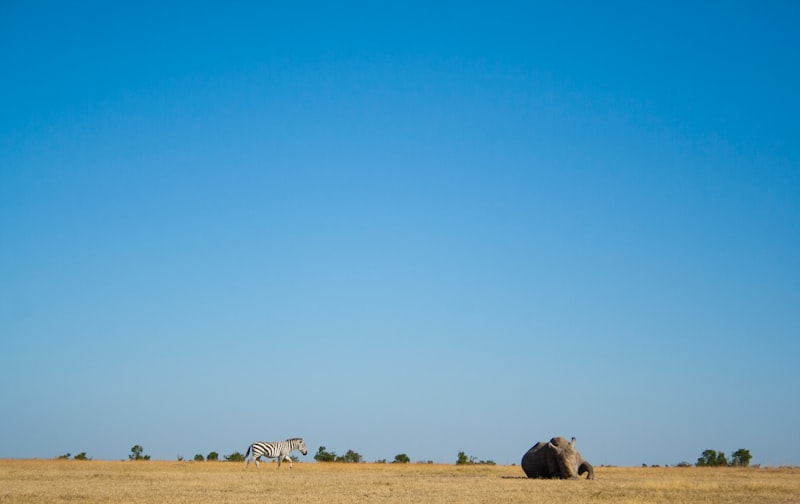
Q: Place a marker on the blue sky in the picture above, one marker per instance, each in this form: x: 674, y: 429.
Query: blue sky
x: 400, y: 229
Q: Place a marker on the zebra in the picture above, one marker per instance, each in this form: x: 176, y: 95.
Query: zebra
x: 275, y: 449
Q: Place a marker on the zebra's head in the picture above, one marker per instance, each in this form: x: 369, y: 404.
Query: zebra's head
x: 301, y: 445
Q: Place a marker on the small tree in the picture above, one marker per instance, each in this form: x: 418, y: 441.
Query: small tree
x: 350, y: 456
x: 81, y: 456
x: 137, y: 453
x: 711, y: 458
x: 325, y: 456
x: 464, y: 460
x: 212, y: 456
x: 741, y: 457
x: 708, y: 459
x: 401, y: 458
x: 199, y: 458
x: 234, y: 457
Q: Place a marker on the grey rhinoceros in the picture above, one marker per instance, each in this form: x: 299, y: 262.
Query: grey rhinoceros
x: 557, y: 458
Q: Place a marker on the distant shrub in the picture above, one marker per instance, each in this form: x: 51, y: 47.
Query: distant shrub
x: 710, y: 458
x: 199, y: 458
x: 213, y: 456
x: 350, y: 456
x: 234, y: 457
x: 464, y: 460
x: 741, y: 457
x: 137, y: 453
x: 401, y: 458
x: 80, y: 456
x: 324, y: 456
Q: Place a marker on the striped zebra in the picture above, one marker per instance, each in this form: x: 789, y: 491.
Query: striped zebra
x: 276, y: 449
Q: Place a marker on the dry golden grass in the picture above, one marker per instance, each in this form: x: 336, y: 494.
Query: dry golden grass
x: 34, y: 481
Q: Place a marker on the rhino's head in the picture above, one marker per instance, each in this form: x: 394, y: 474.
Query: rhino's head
x: 569, y: 460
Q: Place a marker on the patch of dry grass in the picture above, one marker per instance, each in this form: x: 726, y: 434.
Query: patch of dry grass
x: 35, y: 481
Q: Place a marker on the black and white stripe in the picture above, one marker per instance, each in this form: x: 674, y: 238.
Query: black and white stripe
x: 276, y: 449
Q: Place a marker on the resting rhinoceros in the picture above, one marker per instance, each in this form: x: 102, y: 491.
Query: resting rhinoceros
x: 557, y: 458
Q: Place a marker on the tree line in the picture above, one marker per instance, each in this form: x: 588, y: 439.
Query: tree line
x: 322, y: 455
x: 709, y: 458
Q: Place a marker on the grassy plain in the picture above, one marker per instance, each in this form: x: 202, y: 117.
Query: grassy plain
x: 35, y: 481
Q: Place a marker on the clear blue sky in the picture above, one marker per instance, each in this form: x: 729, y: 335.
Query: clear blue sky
x: 410, y: 228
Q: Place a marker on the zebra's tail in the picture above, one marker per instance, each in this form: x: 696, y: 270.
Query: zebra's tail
x: 247, y: 453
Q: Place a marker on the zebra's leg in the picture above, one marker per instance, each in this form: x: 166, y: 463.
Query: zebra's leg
x: 289, y: 459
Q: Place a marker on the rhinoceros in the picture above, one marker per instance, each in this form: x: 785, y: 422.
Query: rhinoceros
x: 557, y: 458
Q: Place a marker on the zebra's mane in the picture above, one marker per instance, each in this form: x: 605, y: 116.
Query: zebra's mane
x: 295, y: 439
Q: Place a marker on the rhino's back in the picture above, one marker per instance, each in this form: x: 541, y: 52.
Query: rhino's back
x: 535, y: 462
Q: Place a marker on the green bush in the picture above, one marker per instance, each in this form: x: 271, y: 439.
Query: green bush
x: 350, y: 456
x: 325, y: 456
x: 711, y: 458
x: 80, y: 456
x: 137, y: 453
x: 401, y: 458
x: 741, y: 457
x: 234, y: 457
x: 464, y: 460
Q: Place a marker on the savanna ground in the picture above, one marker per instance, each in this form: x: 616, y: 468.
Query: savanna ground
x: 35, y: 481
